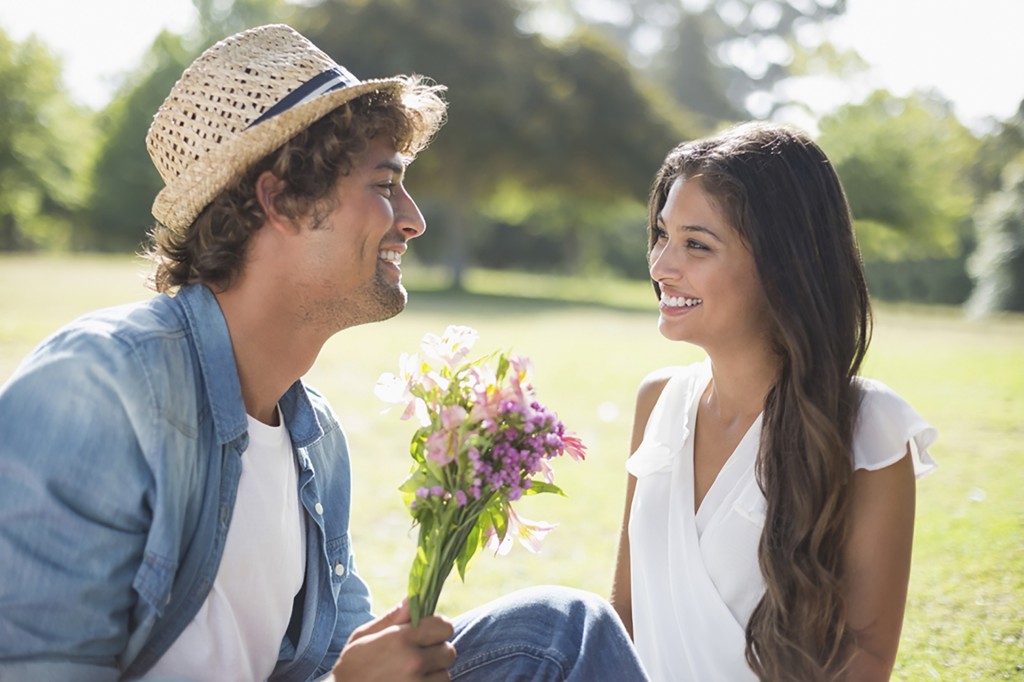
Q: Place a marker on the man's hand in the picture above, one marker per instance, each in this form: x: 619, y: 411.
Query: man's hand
x: 392, y: 650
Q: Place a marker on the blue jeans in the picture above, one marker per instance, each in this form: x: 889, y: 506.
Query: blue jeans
x: 544, y: 634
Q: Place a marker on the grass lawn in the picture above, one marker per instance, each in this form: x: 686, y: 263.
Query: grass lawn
x: 591, y: 343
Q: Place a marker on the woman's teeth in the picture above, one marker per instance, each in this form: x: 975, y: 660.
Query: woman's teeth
x: 680, y: 302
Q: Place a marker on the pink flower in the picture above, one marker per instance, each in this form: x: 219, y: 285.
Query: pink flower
x: 441, y: 447
x: 529, y: 533
x: 547, y: 471
x: 485, y: 394
x: 520, y: 389
x: 451, y: 347
x: 417, y: 408
x: 574, y: 447
x: 453, y: 417
x: 398, y: 389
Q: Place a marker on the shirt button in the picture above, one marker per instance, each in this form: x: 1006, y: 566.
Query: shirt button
x: 319, y: 508
x: 339, y: 569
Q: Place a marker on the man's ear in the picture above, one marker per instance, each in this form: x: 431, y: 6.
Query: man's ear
x: 269, y: 189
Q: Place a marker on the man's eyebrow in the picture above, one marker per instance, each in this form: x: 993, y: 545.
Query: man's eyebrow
x: 692, y: 228
x: 392, y: 165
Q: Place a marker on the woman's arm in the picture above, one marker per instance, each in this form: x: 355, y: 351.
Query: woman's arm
x: 877, y: 566
x: 622, y: 596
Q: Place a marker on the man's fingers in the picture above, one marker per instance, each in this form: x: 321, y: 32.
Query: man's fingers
x: 438, y: 658
x: 399, y: 615
x: 432, y: 630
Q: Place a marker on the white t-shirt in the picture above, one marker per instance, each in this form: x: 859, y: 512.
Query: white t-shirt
x: 695, y: 579
x: 238, y: 631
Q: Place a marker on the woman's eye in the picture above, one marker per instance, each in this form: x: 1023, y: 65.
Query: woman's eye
x: 659, y: 233
x: 696, y: 245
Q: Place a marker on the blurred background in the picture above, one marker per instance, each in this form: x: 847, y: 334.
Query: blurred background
x: 534, y: 193
x: 561, y: 111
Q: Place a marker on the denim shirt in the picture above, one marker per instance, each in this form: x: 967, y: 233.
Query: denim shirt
x: 120, y: 454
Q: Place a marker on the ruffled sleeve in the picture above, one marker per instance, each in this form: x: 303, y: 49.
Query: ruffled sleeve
x: 886, y: 425
x: 667, y: 428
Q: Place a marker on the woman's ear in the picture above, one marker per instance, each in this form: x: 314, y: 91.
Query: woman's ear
x: 269, y: 189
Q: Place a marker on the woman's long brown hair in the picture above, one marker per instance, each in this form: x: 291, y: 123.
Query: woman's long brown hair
x: 777, y: 188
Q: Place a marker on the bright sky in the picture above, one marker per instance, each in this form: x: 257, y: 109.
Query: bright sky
x: 971, y: 51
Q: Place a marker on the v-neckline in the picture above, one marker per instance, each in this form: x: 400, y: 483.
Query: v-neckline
x: 718, y: 489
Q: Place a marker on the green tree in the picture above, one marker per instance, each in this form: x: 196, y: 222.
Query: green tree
x: 998, y: 148
x: 526, y: 118
x: 903, y: 162
x: 689, y: 72
x: 748, y: 45
x: 220, y: 18
x: 45, y: 145
x: 124, y: 179
x: 997, y: 266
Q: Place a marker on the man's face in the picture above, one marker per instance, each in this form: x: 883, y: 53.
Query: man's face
x: 353, y: 244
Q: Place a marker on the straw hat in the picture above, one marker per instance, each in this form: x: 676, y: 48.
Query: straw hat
x: 240, y: 100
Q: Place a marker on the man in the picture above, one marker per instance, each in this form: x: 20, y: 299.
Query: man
x: 174, y: 502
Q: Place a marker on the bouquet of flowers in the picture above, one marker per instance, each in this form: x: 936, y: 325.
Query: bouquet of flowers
x: 483, y: 442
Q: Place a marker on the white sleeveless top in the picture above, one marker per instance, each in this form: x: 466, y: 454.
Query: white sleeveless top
x: 695, y: 577
x: 238, y: 631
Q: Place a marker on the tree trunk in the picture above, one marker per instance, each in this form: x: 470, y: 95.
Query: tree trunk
x: 456, y: 245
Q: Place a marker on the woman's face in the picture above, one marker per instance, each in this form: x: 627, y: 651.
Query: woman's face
x: 710, y: 292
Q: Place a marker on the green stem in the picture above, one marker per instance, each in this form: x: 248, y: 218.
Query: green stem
x: 442, y: 548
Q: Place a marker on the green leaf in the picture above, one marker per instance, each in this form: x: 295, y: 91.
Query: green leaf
x: 474, y: 543
x: 538, y: 487
x: 414, y: 481
x: 499, y: 519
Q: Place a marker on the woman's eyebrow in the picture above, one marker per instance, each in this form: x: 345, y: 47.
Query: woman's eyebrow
x: 692, y: 228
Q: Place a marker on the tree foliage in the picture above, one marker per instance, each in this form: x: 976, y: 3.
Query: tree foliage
x: 525, y: 116
x: 691, y: 74
x: 732, y: 53
x: 997, y: 266
x: 902, y: 161
x: 44, y: 149
x: 124, y: 179
x: 997, y: 150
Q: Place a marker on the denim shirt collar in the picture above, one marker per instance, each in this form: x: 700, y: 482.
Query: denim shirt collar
x: 220, y: 374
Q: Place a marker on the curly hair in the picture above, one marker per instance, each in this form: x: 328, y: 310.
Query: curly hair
x: 777, y: 188
x: 213, y: 249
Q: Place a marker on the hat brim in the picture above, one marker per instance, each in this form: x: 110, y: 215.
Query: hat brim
x: 179, y: 203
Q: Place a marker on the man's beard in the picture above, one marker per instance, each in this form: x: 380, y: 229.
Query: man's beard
x: 378, y: 299
x: 390, y: 297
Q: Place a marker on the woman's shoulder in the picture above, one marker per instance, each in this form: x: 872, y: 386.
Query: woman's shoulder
x: 654, y: 383
x: 880, y: 404
x: 667, y: 387
x: 887, y: 425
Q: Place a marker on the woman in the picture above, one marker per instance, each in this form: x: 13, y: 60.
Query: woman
x: 770, y: 507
